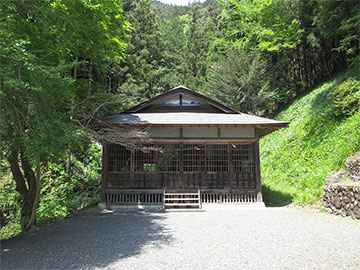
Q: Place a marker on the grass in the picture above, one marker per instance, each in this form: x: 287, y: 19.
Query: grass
x: 296, y: 160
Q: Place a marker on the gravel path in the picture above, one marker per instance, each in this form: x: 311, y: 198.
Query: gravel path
x: 268, y: 238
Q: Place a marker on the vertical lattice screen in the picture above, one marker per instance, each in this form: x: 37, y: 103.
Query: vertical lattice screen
x: 193, y: 157
x: 217, y: 158
x: 242, y: 157
x: 170, y: 158
x: 119, y: 158
x: 161, y: 158
x: 146, y: 159
x: 186, y: 157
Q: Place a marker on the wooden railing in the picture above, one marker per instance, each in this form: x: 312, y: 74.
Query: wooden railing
x: 134, y: 197
x: 156, y: 197
x: 212, y: 197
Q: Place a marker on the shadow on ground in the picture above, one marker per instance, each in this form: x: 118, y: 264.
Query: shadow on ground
x: 275, y: 198
x: 86, y: 242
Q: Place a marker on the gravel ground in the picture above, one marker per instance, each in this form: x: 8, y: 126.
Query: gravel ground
x: 268, y: 238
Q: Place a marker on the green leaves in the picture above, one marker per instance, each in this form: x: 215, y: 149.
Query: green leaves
x: 298, y: 159
x: 47, y: 49
x: 141, y: 73
x: 339, y: 21
x: 284, y: 38
x: 261, y: 25
x: 346, y: 97
x: 241, y: 80
x: 40, y: 41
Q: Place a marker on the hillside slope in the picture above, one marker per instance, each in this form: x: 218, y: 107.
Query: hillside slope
x: 297, y: 160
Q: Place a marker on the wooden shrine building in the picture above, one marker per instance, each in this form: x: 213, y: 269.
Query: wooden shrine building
x: 198, y: 152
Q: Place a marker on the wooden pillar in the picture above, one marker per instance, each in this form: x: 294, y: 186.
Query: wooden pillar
x: 104, y: 170
x: 257, y: 171
x: 176, y: 184
x: 180, y: 177
x: 230, y: 169
x: 132, y: 164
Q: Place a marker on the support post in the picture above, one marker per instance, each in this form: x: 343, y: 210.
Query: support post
x: 200, y: 202
x: 105, y: 170
x: 164, y: 195
x: 257, y: 172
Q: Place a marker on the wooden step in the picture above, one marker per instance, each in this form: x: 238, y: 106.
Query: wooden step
x: 181, y: 194
x: 181, y: 199
x: 181, y: 204
x: 178, y: 199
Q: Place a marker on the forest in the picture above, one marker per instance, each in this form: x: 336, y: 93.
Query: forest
x: 65, y: 64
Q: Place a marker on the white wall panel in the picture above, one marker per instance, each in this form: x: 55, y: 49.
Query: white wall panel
x: 237, y: 132
x: 200, y: 132
x: 165, y: 132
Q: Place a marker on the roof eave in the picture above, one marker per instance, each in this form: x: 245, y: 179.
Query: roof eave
x: 256, y: 125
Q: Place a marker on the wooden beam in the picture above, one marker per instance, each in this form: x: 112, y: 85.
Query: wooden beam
x: 260, y: 125
x: 201, y: 141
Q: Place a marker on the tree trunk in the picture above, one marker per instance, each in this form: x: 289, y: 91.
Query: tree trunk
x: 28, y: 185
x: 36, y: 199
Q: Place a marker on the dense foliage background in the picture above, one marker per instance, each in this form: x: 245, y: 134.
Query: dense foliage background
x: 64, y: 62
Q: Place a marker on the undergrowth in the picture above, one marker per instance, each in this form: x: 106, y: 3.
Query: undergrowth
x: 66, y: 187
x: 296, y: 160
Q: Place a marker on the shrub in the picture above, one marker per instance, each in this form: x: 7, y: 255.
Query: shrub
x: 9, y: 208
x: 71, y: 187
x: 346, y: 97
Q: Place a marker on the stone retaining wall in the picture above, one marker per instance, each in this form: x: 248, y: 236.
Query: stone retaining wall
x: 353, y: 166
x: 343, y: 200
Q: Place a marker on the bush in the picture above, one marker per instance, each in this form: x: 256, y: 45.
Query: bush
x: 9, y: 208
x: 346, y: 97
x: 71, y: 187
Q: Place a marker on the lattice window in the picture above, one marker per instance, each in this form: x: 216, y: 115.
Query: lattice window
x: 169, y: 158
x: 217, y: 159
x: 242, y: 157
x: 146, y: 159
x: 189, y: 157
x: 119, y: 158
x: 193, y: 157
x: 162, y: 158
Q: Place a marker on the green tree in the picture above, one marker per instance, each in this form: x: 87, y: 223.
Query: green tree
x: 44, y: 45
x: 174, y: 38
x: 262, y: 25
x: 242, y: 81
x: 141, y: 74
x: 338, y: 23
x: 198, y: 37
